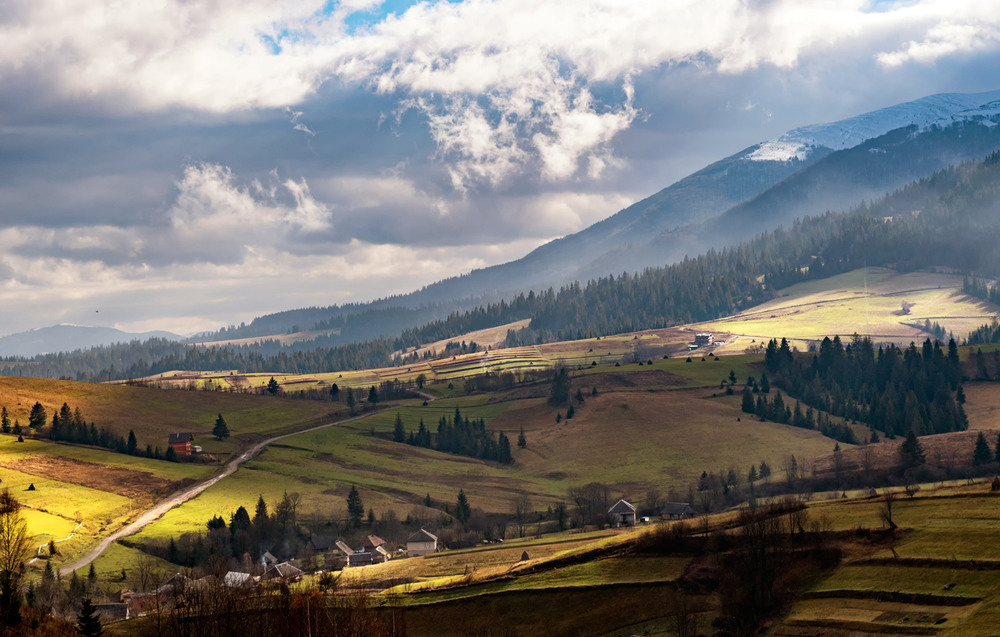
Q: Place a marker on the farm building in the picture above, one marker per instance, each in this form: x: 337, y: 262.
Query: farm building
x: 677, y: 511
x: 181, y: 443
x: 622, y: 514
x: 701, y: 339
x: 421, y: 543
x: 283, y: 571
x: 112, y: 612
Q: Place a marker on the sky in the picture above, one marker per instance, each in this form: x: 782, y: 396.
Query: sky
x: 188, y: 164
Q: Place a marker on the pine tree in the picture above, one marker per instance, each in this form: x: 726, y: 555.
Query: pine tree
x: 221, y: 429
x: 334, y: 392
x: 398, y: 431
x: 350, y: 400
x: 171, y: 455
x: 373, y: 395
x: 132, y: 444
x: 570, y: 412
x: 4, y: 420
x: 559, y: 393
x: 37, y: 418
x: 522, y: 442
x: 355, y: 507
x: 982, y: 453
x: 272, y: 386
x: 912, y: 452
x: 462, y: 508
x: 88, y: 622
x: 748, y: 406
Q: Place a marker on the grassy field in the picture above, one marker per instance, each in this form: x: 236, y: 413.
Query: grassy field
x: 868, y: 301
x: 153, y: 414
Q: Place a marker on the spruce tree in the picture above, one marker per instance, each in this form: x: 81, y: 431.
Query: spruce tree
x: 982, y: 453
x: 132, y: 444
x: 221, y: 429
x: 398, y: 431
x: 4, y: 420
x: 272, y: 387
x: 88, y: 622
x: 355, y: 507
x: 522, y: 442
x: 912, y: 452
x: 37, y: 418
x: 748, y: 406
x: 373, y: 395
x: 462, y: 508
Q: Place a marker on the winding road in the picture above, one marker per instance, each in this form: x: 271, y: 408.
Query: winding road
x: 184, y: 495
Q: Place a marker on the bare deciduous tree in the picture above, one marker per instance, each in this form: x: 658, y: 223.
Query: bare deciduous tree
x: 14, y: 550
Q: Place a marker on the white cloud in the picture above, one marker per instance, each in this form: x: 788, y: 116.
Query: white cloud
x: 508, y: 86
x: 213, y: 211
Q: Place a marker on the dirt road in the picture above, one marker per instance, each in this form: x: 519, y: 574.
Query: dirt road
x: 184, y: 495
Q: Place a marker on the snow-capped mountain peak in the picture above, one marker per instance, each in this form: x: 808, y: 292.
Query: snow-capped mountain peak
x: 935, y: 110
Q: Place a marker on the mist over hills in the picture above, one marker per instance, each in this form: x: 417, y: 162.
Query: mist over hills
x: 67, y: 338
x: 806, y: 171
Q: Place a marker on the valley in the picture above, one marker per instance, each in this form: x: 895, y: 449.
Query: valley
x: 738, y: 414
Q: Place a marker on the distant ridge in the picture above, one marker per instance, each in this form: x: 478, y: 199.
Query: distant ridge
x: 66, y: 338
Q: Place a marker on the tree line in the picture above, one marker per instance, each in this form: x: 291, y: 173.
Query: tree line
x: 947, y: 220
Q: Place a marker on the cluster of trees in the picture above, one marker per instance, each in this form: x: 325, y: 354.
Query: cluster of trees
x: 273, y: 529
x: 890, y: 389
x: 773, y: 408
x: 69, y: 425
x: 459, y: 435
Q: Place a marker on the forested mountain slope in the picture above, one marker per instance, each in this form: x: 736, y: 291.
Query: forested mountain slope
x: 949, y: 219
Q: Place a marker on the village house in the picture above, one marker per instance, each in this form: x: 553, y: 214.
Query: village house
x: 701, y: 339
x: 622, y: 514
x: 677, y: 511
x: 373, y: 550
x: 283, y: 571
x: 181, y: 443
x: 421, y: 543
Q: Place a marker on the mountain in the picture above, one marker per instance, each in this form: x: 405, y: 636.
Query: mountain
x: 66, y: 338
x: 806, y: 171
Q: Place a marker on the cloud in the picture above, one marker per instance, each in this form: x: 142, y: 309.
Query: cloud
x: 508, y: 87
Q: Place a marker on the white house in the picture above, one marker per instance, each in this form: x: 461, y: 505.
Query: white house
x: 421, y: 543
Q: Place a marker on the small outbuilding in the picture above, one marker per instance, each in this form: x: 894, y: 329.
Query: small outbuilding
x: 421, y: 543
x: 677, y: 511
x: 622, y: 514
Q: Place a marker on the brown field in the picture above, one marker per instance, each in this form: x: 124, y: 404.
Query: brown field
x: 941, y: 451
x: 982, y: 404
x: 119, y: 480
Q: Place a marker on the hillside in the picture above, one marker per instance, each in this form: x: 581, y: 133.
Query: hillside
x: 869, y: 302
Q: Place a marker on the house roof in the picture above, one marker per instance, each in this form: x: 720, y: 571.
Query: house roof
x: 677, y: 508
x: 422, y: 536
x: 267, y: 559
x: 179, y: 438
x: 622, y: 507
x: 381, y: 551
x: 235, y: 579
x: 372, y: 541
x: 342, y: 545
x: 283, y: 570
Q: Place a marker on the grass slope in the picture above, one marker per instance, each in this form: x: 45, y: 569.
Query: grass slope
x: 154, y: 414
x: 867, y: 301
